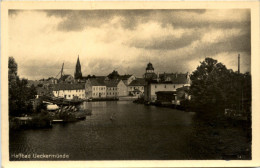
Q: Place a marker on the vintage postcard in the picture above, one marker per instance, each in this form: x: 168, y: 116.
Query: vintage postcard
x: 130, y: 84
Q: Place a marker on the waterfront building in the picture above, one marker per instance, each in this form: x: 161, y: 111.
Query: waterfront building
x: 122, y: 89
x: 136, y: 87
x: 78, y: 74
x: 69, y: 91
x: 179, y: 79
x: 127, y: 78
x: 183, y: 93
x: 166, y: 83
x: 95, y: 88
x: 111, y: 88
x: 166, y: 97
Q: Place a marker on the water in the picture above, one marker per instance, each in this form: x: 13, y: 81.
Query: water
x: 136, y: 132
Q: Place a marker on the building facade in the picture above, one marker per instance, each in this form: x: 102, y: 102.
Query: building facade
x: 136, y: 87
x: 111, y: 88
x: 122, y: 89
x: 95, y: 88
x: 69, y: 91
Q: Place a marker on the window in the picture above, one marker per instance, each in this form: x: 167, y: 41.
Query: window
x: 173, y: 86
x: 165, y: 86
x: 155, y: 86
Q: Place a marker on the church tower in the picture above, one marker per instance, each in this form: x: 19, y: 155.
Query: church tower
x: 78, y: 74
x: 149, y: 73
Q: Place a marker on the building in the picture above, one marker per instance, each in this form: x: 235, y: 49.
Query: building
x: 69, y: 91
x: 149, y: 73
x: 122, y: 89
x: 111, y: 88
x: 127, y: 78
x: 166, y: 97
x: 183, y: 93
x: 179, y: 79
x: 154, y: 86
x: 66, y: 79
x: 78, y: 74
x: 136, y: 87
x: 95, y: 88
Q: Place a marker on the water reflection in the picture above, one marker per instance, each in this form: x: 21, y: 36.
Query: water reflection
x: 138, y: 132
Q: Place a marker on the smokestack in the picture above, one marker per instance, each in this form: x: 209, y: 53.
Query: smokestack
x: 238, y: 64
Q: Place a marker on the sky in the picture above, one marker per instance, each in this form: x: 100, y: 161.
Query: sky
x: 127, y: 40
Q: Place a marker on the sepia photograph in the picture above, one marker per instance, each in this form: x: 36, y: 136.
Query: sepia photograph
x: 129, y: 84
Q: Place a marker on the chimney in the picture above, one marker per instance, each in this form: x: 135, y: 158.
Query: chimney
x: 238, y: 64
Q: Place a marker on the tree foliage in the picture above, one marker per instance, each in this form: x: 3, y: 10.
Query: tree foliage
x: 214, y: 87
x: 20, y: 94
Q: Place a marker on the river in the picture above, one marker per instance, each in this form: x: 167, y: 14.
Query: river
x: 137, y: 132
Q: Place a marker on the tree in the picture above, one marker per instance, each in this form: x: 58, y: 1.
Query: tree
x: 113, y: 75
x: 208, y: 85
x: 20, y: 94
x: 214, y: 88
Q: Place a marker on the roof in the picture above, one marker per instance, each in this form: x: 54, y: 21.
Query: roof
x: 124, y: 77
x: 149, y: 66
x: 66, y: 86
x: 97, y: 82
x: 138, y: 82
x: 160, y: 82
x: 64, y: 77
x: 176, y: 78
x: 185, y: 88
x: 112, y: 83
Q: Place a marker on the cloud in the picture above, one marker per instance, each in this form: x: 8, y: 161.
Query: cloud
x: 166, y: 42
x: 126, y: 40
x: 76, y: 20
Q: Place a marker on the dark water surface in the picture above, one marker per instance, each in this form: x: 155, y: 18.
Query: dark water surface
x: 137, y: 132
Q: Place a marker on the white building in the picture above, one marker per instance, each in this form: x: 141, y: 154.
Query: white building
x: 166, y: 82
x: 95, y: 88
x: 69, y: 91
x: 136, y: 87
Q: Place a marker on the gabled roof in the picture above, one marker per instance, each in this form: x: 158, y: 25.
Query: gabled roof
x: 124, y: 77
x: 66, y: 86
x: 138, y: 82
x: 176, y: 78
x: 112, y: 83
x: 185, y: 88
x: 64, y: 77
x: 97, y: 82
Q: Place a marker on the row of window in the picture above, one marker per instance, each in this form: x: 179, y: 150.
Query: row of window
x: 69, y: 91
x: 141, y: 87
x: 110, y: 93
x: 165, y: 86
x: 109, y: 88
x: 73, y: 95
x: 99, y: 88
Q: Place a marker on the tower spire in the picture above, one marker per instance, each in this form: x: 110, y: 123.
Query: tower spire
x: 78, y: 74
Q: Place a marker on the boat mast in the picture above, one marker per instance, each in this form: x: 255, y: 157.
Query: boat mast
x: 61, y: 72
